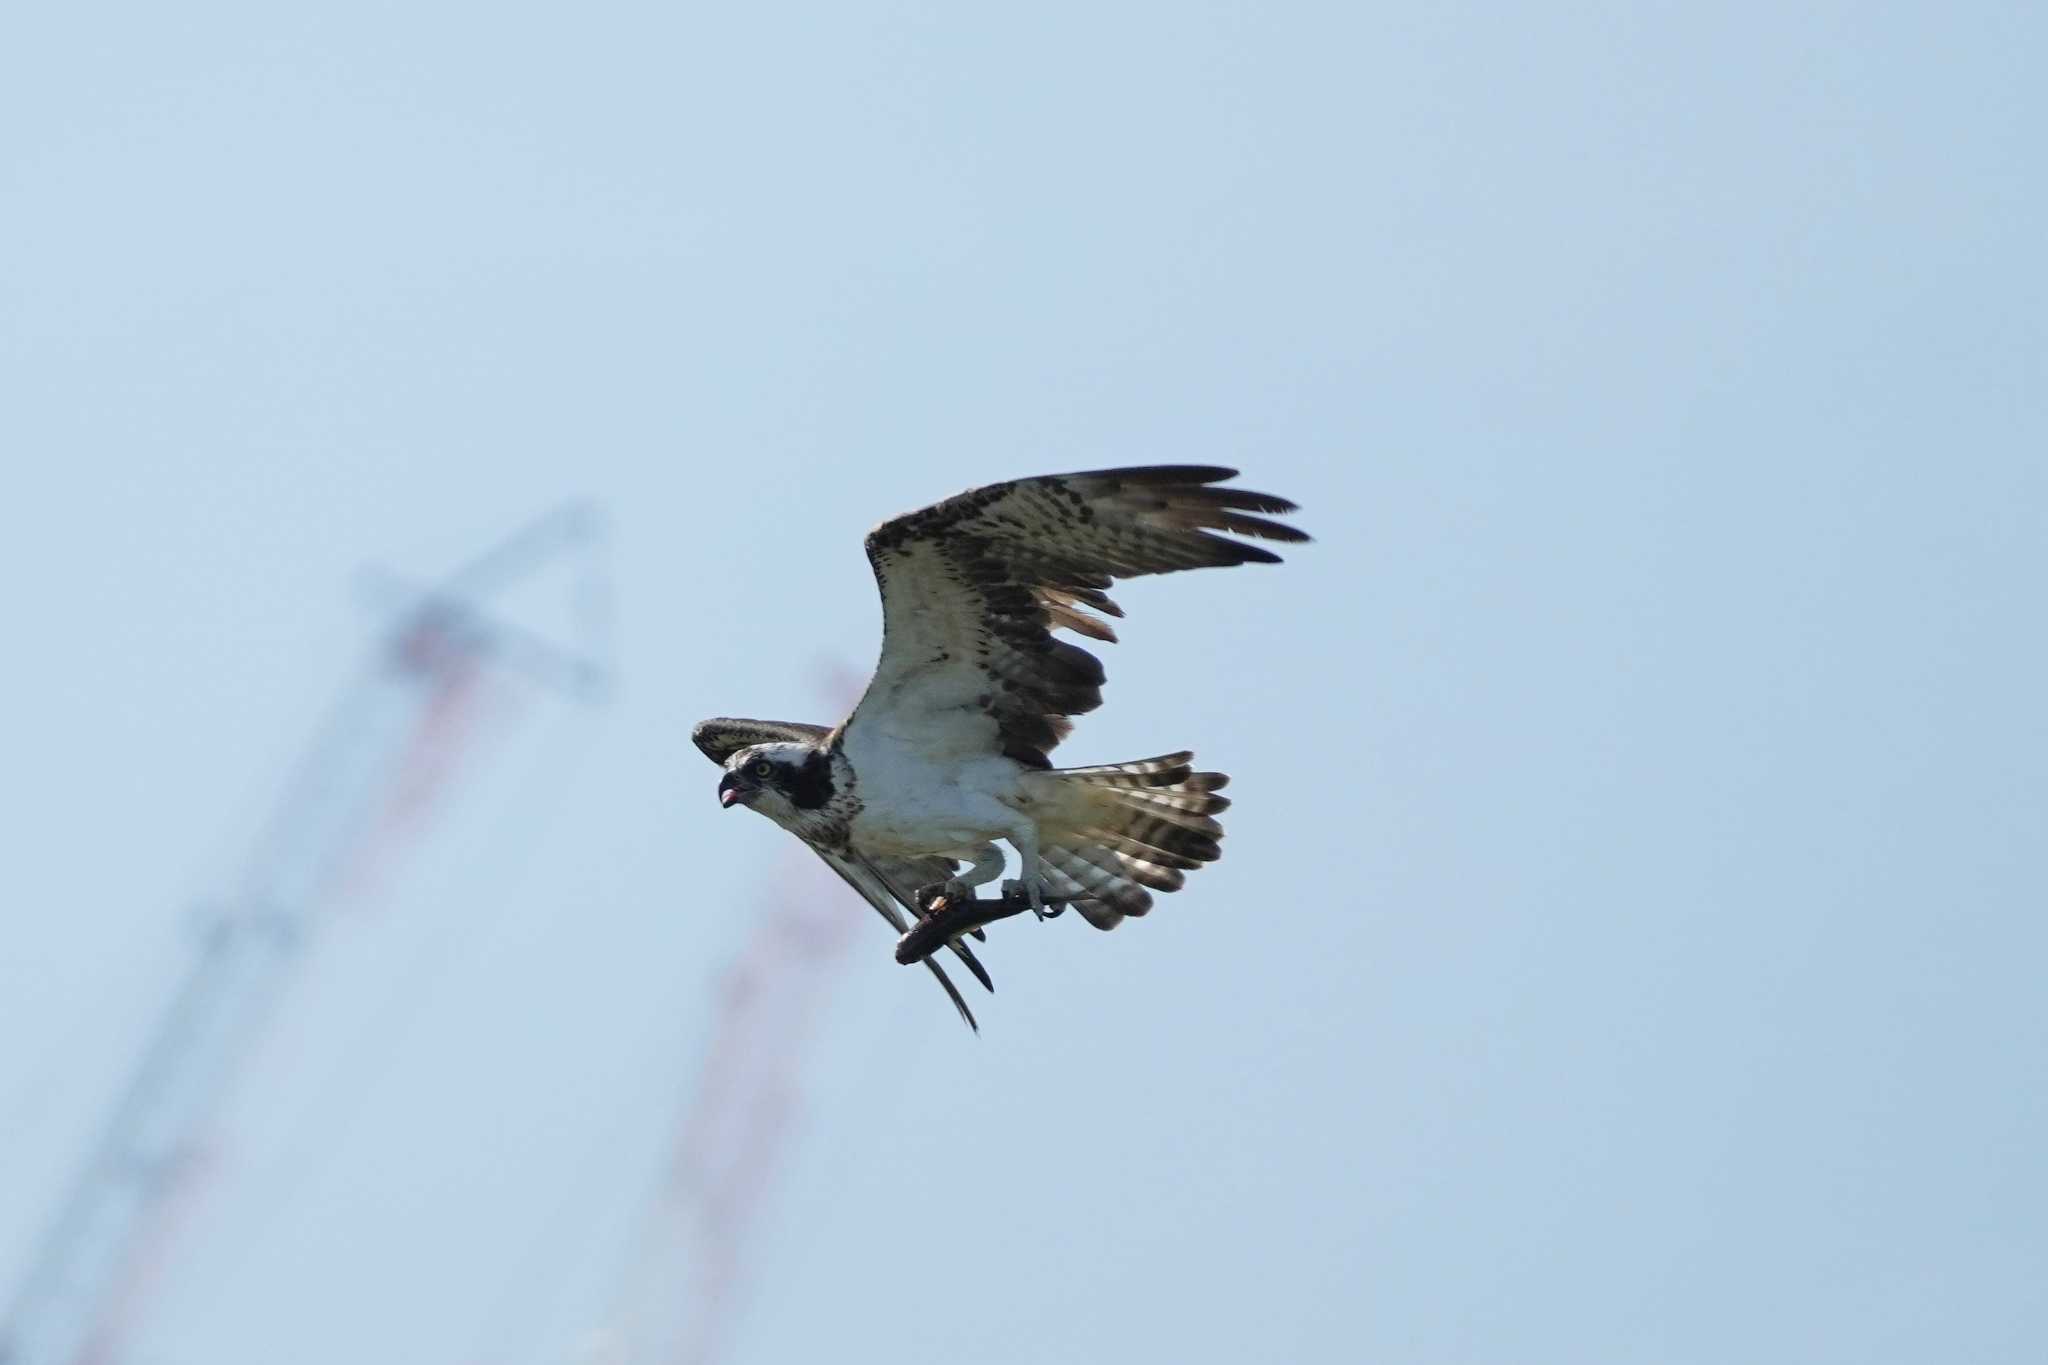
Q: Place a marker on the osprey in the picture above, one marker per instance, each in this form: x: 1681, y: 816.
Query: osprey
x: 946, y: 752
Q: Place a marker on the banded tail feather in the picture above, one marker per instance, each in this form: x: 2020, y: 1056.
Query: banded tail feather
x: 1112, y: 834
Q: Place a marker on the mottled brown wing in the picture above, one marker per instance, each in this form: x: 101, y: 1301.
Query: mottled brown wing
x: 723, y: 736
x: 973, y: 587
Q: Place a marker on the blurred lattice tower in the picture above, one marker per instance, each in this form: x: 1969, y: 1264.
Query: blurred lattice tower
x: 686, y: 1278
x: 387, y: 755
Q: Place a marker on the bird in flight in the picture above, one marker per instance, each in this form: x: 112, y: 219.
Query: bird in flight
x: 947, y: 751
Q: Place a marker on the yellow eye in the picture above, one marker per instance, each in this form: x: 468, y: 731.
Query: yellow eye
x: 760, y: 767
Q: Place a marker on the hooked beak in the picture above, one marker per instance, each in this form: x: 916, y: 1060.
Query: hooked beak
x: 730, y: 791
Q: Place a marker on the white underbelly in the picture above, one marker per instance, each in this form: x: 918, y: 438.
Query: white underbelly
x: 912, y: 808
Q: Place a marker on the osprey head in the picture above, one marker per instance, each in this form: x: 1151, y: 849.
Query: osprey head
x: 779, y: 780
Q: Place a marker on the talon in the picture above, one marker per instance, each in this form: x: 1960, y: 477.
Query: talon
x: 937, y: 897
x: 1020, y: 893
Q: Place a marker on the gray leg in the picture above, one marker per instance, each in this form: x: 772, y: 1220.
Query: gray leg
x: 1024, y: 838
x: 988, y: 865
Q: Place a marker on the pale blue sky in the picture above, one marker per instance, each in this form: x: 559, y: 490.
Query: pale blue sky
x: 1631, y: 936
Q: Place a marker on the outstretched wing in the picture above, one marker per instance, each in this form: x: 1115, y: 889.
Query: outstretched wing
x: 973, y: 587
x: 885, y: 883
x: 723, y: 736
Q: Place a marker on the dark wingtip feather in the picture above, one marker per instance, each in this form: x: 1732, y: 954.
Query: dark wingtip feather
x: 1243, y: 499
x: 953, y: 992
x: 1230, y: 510
x: 1264, y: 529
x: 966, y: 955
x: 1162, y: 473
